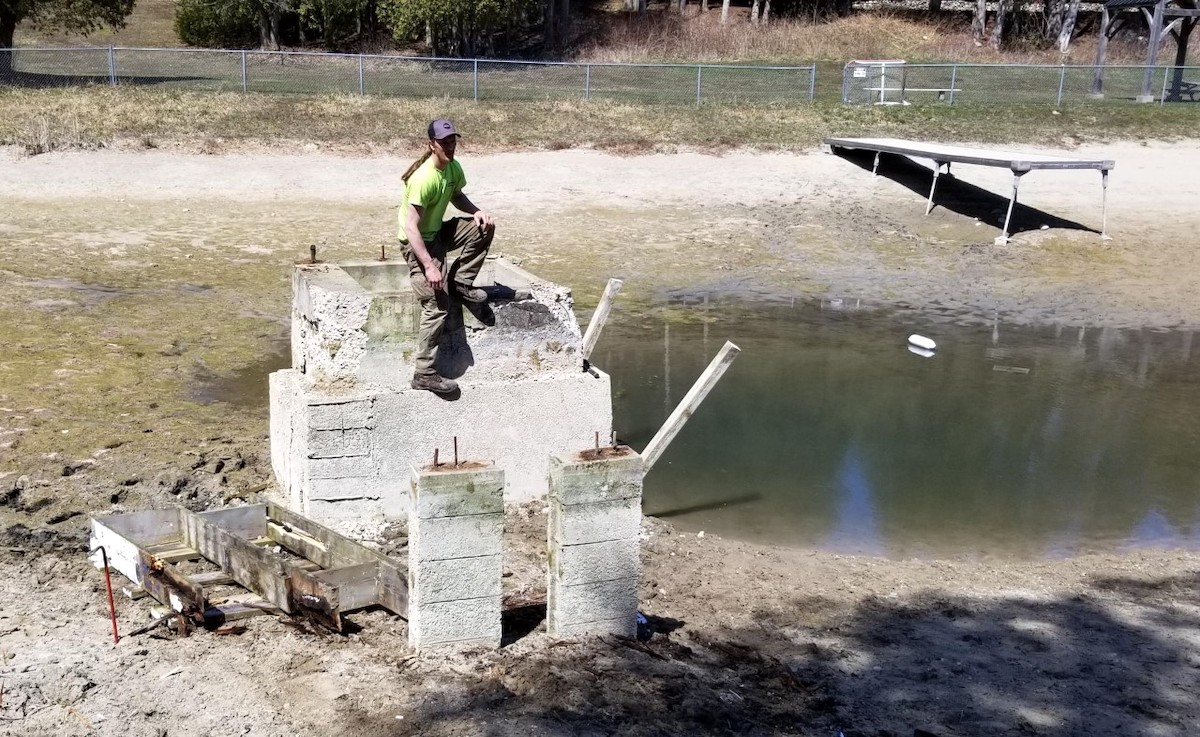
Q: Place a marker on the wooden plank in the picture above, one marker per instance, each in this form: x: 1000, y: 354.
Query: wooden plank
x: 356, y: 585
x: 654, y: 449
x: 391, y: 589
x: 600, y: 316
x: 169, y: 587
x: 211, y: 578
x: 342, y: 550
x: 173, y: 553
x: 146, y: 528
x: 123, y: 553
x: 259, y: 570
x: 248, y: 522
x: 392, y: 577
x: 300, y: 543
x: 218, y: 615
x: 315, y: 599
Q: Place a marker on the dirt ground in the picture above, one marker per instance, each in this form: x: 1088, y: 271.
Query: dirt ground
x: 141, y: 291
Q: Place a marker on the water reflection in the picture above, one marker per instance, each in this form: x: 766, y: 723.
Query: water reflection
x: 1029, y: 440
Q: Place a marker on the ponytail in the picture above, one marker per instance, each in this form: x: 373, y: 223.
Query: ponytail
x: 416, y: 165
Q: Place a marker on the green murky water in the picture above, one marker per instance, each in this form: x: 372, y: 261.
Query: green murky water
x: 827, y: 432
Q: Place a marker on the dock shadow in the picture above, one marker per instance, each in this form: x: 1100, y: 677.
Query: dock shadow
x: 960, y: 197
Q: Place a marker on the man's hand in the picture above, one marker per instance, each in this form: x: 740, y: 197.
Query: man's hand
x: 433, y: 275
x: 483, y: 220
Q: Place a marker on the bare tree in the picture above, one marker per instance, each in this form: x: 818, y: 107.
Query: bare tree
x: 1068, y: 26
x: 998, y: 26
x: 724, y: 10
x: 979, y: 22
x: 754, y: 7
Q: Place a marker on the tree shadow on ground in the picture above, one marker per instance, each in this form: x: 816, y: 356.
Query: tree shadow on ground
x: 31, y: 80
x: 961, y: 197
x: 1121, y: 657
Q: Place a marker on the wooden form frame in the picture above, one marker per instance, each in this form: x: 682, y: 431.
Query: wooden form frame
x: 333, y: 575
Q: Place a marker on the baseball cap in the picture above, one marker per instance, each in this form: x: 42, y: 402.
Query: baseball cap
x: 442, y: 128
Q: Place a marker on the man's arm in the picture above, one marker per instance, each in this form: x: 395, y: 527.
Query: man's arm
x: 412, y: 230
x: 463, y: 203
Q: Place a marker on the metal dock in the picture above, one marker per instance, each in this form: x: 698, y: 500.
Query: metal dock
x: 1020, y: 163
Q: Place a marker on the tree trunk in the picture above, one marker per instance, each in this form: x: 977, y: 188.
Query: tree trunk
x: 979, y: 22
x: 1068, y: 27
x: 268, y: 28
x: 724, y: 10
x: 997, y: 40
x: 549, y: 13
x: 766, y: 12
x: 1054, y: 12
x: 754, y: 9
x: 8, y: 28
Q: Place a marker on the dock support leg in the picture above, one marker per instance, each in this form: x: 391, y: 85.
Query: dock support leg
x: 937, y: 170
x: 1104, y: 236
x: 1003, y: 239
x: 875, y: 167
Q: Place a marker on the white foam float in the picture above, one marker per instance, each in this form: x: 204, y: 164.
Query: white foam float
x: 920, y: 341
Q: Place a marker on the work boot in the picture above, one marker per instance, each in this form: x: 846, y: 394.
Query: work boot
x: 434, y: 383
x: 467, y: 293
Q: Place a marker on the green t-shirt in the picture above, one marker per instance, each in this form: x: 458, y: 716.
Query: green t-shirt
x: 431, y: 189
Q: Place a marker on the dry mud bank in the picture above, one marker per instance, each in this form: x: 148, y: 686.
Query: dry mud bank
x: 139, y: 287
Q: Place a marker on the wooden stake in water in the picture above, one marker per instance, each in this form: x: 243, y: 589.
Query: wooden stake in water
x: 654, y: 449
x: 600, y: 316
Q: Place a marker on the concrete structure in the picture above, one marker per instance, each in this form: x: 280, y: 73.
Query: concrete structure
x: 455, y: 524
x: 346, y: 427
x: 595, y: 519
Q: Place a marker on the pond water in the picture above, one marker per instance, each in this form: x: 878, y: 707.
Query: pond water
x: 827, y: 432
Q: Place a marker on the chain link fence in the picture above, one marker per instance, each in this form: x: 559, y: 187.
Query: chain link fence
x: 884, y: 82
x: 896, y: 82
x: 397, y: 76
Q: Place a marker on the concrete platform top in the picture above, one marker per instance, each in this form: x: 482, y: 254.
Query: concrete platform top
x: 356, y: 323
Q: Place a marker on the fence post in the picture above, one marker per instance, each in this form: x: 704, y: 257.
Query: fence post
x: 1062, y: 78
x: 812, y: 83
x: 361, y: 88
x: 699, y: 73
x: 846, y: 84
x: 1162, y: 99
x: 112, y: 67
x: 475, y: 74
x: 244, y: 85
x: 953, y: 81
x: 587, y: 82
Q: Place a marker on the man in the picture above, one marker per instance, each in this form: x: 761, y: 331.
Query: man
x: 430, y: 184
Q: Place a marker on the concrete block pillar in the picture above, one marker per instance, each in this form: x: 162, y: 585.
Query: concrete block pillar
x: 595, y: 517
x: 455, y: 523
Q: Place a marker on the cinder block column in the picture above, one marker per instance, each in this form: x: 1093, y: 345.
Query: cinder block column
x: 595, y: 517
x: 455, y: 522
